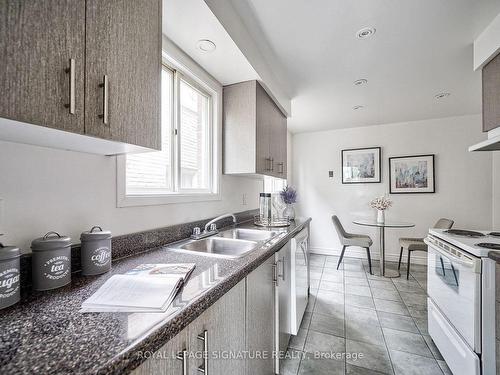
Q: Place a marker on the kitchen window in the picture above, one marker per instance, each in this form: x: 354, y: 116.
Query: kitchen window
x: 186, y: 168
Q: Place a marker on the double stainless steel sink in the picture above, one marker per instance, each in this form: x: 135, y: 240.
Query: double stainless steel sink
x: 231, y: 243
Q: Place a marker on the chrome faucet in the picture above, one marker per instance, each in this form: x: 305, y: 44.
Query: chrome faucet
x: 211, y: 224
x: 210, y: 227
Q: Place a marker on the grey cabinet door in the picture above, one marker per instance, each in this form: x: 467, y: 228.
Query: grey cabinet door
x: 239, y: 128
x: 265, y: 111
x: 278, y: 143
x: 37, y: 41
x: 164, y: 361
x: 260, y: 318
x: 224, y: 323
x: 283, y: 169
x: 123, y: 43
x: 491, y: 95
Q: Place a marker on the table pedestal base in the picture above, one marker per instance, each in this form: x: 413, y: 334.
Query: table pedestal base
x: 391, y: 273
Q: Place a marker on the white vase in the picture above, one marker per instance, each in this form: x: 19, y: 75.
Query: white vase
x: 381, y: 216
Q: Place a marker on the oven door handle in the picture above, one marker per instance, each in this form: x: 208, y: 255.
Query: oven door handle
x: 466, y: 263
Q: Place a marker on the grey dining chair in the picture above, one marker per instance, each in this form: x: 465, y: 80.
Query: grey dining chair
x: 418, y: 244
x: 351, y: 239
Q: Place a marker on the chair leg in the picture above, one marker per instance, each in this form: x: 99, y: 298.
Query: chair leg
x: 408, y: 266
x: 400, y: 256
x: 341, y: 256
x: 369, y: 259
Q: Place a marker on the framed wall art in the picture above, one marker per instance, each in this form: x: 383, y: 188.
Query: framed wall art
x: 361, y: 165
x: 412, y: 174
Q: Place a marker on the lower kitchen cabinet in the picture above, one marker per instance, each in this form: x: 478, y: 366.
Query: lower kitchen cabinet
x: 237, y: 333
x: 221, y: 328
x: 165, y: 361
x: 260, y: 318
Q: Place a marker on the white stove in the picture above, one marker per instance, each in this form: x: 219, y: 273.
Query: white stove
x: 461, y: 298
x: 469, y: 244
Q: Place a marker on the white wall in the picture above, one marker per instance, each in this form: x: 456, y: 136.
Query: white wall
x: 45, y: 189
x: 463, y: 179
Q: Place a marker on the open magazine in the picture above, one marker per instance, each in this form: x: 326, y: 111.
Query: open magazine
x: 146, y: 288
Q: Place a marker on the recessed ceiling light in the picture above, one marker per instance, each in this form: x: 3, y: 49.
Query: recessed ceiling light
x: 365, y: 32
x: 356, y: 107
x: 442, y: 95
x: 360, y: 82
x: 206, y: 45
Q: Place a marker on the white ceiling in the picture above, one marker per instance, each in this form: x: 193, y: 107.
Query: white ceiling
x: 187, y: 21
x: 420, y: 48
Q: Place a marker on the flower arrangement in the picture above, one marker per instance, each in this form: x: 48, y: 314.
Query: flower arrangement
x: 381, y: 203
x: 289, y: 195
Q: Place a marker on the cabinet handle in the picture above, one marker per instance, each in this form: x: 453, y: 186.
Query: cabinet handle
x: 204, y: 338
x: 272, y: 165
x: 72, y: 77
x: 182, y: 356
x: 105, y: 98
x: 276, y: 275
x: 281, y: 169
x: 268, y: 164
x: 282, y: 273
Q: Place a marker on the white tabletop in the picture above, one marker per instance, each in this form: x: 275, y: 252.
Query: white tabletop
x: 387, y: 224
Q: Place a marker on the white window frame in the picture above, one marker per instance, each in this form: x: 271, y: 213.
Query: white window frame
x: 187, y: 70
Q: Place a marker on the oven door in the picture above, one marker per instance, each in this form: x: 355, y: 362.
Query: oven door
x: 454, y: 285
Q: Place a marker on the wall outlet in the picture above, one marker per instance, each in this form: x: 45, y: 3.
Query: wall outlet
x: 244, y: 199
x: 330, y: 174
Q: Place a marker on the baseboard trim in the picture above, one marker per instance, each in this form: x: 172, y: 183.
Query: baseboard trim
x: 355, y: 252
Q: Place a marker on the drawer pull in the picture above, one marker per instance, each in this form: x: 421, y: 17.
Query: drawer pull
x: 204, y: 338
x: 182, y: 356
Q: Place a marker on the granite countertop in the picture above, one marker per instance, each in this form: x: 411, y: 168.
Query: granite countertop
x: 46, y: 332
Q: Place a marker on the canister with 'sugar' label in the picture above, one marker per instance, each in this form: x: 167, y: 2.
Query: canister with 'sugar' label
x: 51, y: 261
x: 10, y: 271
x: 96, y: 251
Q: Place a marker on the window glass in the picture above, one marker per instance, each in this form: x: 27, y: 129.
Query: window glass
x: 194, y: 130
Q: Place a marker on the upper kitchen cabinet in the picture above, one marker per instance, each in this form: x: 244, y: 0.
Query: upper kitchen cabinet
x: 123, y: 70
x: 491, y: 94
x: 89, y: 68
x: 42, y: 62
x: 254, y: 132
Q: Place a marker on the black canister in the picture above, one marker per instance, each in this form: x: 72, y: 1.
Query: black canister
x: 51, y: 264
x: 10, y: 275
x: 96, y: 251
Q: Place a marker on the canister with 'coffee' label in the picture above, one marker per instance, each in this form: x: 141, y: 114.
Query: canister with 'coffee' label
x: 96, y: 251
x: 10, y: 276
x: 51, y: 261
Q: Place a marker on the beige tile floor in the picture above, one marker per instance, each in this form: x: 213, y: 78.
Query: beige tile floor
x: 351, y: 312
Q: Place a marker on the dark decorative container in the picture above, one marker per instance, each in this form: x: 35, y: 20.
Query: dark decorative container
x: 51, y: 264
x: 10, y: 272
x: 96, y: 251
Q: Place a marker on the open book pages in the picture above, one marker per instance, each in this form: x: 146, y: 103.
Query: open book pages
x: 146, y: 288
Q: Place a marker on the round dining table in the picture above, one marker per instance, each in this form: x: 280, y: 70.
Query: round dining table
x: 381, y: 227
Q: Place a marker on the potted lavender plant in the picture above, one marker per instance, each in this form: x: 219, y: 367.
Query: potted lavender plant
x: 381, y: 204
x: 289, y: 197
